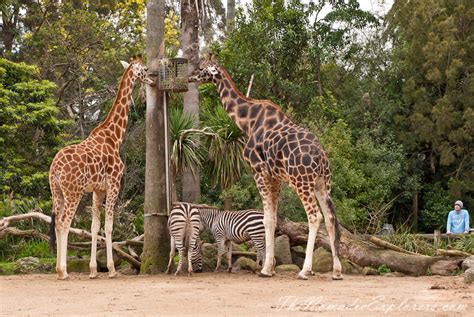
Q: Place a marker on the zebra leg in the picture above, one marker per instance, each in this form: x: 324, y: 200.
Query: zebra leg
x: 229, y: 256
x: 181, y: 256
x: 220, y: 251
x: 172, y: 253
x: 190, y: 263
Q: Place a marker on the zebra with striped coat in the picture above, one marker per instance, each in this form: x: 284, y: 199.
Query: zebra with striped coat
x: 234, y: 226
x: 184, y: 225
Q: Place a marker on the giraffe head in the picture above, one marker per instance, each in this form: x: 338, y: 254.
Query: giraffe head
x: 207, y: 71
x: 139, y: 70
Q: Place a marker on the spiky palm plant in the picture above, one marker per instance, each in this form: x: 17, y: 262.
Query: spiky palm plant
x: 225, y: 164
x: 186, y: 147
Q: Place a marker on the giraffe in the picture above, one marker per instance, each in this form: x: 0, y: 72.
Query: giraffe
x: 279, y: 151
x: 93, y: 165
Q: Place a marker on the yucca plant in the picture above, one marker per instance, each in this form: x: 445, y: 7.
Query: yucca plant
x: 186, y: 147
x: 225, y: 159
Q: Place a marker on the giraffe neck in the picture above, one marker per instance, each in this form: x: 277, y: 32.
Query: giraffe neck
x: 234, y: 102
x: 115, y: 124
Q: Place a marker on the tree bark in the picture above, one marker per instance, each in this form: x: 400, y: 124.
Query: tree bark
x: 360, y: 251
x: 157, y: 244
x: 190, y: 47
x: 230, y: 19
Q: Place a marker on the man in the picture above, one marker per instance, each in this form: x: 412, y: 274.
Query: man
x: 458, y: 219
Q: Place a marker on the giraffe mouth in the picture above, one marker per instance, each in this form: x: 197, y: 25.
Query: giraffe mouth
x: 193, y: 79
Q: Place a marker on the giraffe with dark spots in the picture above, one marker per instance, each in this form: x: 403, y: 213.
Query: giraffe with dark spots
x: 94, y: 165
x: 279, y: 151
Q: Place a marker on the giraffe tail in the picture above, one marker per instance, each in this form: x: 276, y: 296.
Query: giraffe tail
x: 58, y: 203
x: 337, y: 238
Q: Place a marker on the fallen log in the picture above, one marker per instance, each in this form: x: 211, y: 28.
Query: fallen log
x: 452, y: 253
x: 388, y: 245
x: 356, y: 249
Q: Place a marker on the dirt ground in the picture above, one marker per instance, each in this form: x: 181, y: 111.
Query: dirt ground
x: 235, y: 294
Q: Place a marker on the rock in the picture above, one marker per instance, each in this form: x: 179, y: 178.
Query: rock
x: 209, y: 257
x: 297, y: 255
x: 369, y: 271
x: 444, y: 267
x: 287, y: 268
x: 322, y: 260
x: 247, y: 264
x: 469, y: 275
x: 102, y: 259
x: 79, y: 265
x: 282, y: 250
x: 128, y: 270
x: 31, y: 265
x: 348, y: 267
x: 394, y: 274
x: 468, y: 263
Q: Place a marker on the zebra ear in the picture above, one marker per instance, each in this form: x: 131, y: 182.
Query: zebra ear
x: 124, y: 64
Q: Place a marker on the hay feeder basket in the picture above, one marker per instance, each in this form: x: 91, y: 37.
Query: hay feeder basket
x: 173, y: 75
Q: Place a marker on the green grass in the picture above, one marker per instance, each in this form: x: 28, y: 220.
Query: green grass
x: 6, y: 268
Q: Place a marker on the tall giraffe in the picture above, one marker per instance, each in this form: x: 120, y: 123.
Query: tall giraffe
x: 94, y: 165
x: 279, y: 151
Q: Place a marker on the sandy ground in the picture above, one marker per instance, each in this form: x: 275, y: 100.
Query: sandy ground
x: 235, y: 294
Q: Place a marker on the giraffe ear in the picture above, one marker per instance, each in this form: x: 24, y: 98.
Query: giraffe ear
x: 124, y: 64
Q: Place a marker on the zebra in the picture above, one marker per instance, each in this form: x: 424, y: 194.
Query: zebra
x: 184, y: 226
x: 234, y: 226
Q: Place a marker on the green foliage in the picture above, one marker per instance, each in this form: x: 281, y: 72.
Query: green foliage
x: 465, y: 243
x: 383, y: 269
x: 437, y: 205
x: 225, y: 162
x: 30, y: 130
x: 431, y: 43
x: 366, y: 177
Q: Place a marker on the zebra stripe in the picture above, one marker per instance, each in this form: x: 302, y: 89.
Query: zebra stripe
x: 234, y: 226
x: 184, y: 224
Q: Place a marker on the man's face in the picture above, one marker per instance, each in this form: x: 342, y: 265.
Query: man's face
x: 457, y: 208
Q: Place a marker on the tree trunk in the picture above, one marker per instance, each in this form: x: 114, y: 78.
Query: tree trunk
x: 414, y: 208
x: 190, y: 46
x: 9, y: 28
x: 360, y: 251
x: 157, y: 244
x: 230, y: 15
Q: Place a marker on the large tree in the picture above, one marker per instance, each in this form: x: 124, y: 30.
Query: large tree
x: 156, y: 248
x: 433, y: 47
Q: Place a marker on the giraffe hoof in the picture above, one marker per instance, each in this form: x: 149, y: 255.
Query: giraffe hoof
x: 337, y: 277
x: 264, y: 275
x: 93, y: 276
x: 63, y: 277
x: 302, y: 276
x: 113, y: 274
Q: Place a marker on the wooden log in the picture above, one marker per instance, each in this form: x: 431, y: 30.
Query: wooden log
x: 358, y: 250
x: 130, y: 259
x: 452, y: 253
x: 245, y: 253
x: 388, y: 245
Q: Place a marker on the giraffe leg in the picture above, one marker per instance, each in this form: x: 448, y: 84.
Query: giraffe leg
x: 269, y: 190
x: 314, y: 220
x: 98, y: 198
x: 332, y: 227
x: 172, y: 253
x: 62, y: 232
x: 109, y: 223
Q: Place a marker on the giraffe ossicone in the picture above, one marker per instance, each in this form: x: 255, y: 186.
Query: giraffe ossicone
x: 93, y: 165
x: 279, y: 151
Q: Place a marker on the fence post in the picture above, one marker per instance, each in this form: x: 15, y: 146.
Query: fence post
x: 437, y: 238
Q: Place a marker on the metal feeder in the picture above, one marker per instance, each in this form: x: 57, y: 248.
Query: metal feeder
x: 173, y: 75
